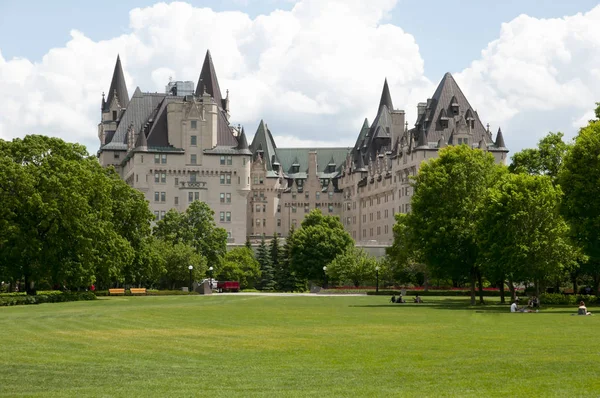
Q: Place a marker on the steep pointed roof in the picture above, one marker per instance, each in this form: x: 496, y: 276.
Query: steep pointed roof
x: 242, y: 142
x: 207, y: 82
x: 263, y: 140
x: 447, y: 98
x: 117, y: 87
x: 386, y: 98
x: 500, y: 139
x: 141, y: 141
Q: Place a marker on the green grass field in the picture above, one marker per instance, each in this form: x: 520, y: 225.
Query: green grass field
x: 250, y: 346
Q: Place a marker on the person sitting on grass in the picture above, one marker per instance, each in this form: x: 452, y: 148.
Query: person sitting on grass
x: 582, y: 310
x: 418, y: 299
x: 514, y: 307
x: 400, y: 300
x: 393, y: 299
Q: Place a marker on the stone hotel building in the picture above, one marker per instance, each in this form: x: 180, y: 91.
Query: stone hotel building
x: 179, y: 146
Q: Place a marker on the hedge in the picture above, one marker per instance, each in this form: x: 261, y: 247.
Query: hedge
x: 149, y: 292
x: 564, y: 299
x: 48, y: 297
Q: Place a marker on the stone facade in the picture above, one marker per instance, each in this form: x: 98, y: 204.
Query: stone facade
x: 180, y: 148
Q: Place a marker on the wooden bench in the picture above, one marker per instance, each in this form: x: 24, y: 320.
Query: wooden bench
x: 116, y: 291
x: 135, y: 290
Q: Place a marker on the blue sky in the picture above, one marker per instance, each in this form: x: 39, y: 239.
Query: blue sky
x: 507, y: 84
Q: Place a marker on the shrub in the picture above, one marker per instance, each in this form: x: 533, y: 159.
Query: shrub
x: 51, y: 297
x: 564, y: 299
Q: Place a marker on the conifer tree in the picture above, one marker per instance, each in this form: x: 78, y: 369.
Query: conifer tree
x: 248, y: 244
x: 275, y: 255
x: 287, y: 279
x: 264, y: 259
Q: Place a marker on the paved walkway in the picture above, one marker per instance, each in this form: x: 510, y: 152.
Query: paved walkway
x: 290, y: 294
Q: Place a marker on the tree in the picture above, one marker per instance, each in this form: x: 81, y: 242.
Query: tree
x: 63, y: 217
x: 522, y: 234
x: 286, y: 280
x: 318, y: 242
x: 581, y: 205
x: 240, y: 265
x: 276, y: 260
x: 448, y: 192
x: 177, y: 257
x: 546, y: 159
x: 266, y: 268
x: 403, y: 256
x: 196, y: 227
x: 248, y: 244
x: 354, y: 265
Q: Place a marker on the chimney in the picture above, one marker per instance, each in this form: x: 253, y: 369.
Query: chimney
x: 421, y: 106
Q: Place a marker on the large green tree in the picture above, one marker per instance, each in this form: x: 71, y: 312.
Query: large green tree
x: 61, y: 209
x: 547, y: 159
x: 522, y: 234
x: 448, y: 193
x: 319, y: 240
x: 240, y: 265
x: 286, y: 279
x: 581, y: 205
x: 263, y: 256
x: 354, y: 265
x: 196, y: 227
x: 177, y: 257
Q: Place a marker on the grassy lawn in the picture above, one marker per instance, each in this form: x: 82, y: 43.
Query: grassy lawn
x: 245, y: 346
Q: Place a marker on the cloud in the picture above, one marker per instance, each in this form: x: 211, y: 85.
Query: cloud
x: 540, y: 75
x: 313, y: 72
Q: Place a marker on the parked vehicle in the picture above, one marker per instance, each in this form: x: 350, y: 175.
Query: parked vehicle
x: 228, y: 286
x: 213, y: 283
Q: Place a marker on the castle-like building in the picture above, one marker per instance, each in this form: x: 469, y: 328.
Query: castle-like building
x: 179, y: 146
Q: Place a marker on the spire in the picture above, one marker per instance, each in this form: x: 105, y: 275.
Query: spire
x: 207, y: 82
x: 386, y: 98
x: 242, y: 142
x: 500, y: 139
x: 118, y: 87
x: 142, y: 141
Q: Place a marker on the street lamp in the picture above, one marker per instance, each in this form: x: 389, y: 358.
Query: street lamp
x: 191, y: 267
x: 325, y: 281
x: 210, y: 270
x: 377, y: 275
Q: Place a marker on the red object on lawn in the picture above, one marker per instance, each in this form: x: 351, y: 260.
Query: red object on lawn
x: 228, y: 286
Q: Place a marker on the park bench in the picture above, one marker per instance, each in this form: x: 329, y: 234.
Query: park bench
x: 116, y: 291
x: 135, y: 290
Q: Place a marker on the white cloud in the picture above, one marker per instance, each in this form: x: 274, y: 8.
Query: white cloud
x: 540, y: 75
x: 313, y: 73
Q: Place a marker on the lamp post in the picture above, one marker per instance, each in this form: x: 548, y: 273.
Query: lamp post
x: 210, y: 270
x: 325, y: 280
x: 191, y: 267
x: 377, y: 276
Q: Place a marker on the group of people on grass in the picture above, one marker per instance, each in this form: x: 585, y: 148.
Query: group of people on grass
x: 400, y: 300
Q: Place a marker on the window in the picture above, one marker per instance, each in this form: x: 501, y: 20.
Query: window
x: 229, y: 160
x: 255, y: 194
x: 163, y: 196
x: 194, y: 126
x: 193, y: 158
x: 222, y: 197
x: 264, y: 222
x: 163, y: 159
x: 306, y: 209
x: 114, y: 115
x: 279, y: 222
x: 258, y: 208
x: 162, y: 214
x: 255, y: 180
x: 330, y: 195
x: 190, y: 197
x: 156, y: 196
x: 294, y: 222
x: 260, y: 180
x: 222, y: 216
x: 293, y: 195
x: 293, y: 209
x: 258, y: 222
x: 264, y: 208
x: 227, y: 198
x: 243, y: 161
x: 117, y: 155
x: 193, y: 177
x: 262, y: 195
x: 228, y: 216
x: 176, y: 200
x: 156, y: 215
x: 228, y: 179
x: 196, y: 195
x: 331, y: 208
x: 176, y: 181
x: 136, y: 178
x: 386, y: 229
x: 386, y: 213
x: 163, y: 177
x: 378, y: 230
x: 318, y: 195
x: 379, y: 215
x: 222, y: 160
x: 364, y: 218
x: 222, y: 179
x: 156, y: 177
x: 193, y: 140
x: 278, y: 208
x: 307, y: 195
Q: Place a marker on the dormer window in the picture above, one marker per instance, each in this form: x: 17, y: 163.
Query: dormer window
x: 114, y: 115
x: 295, y: 168
x: 454, y: 105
